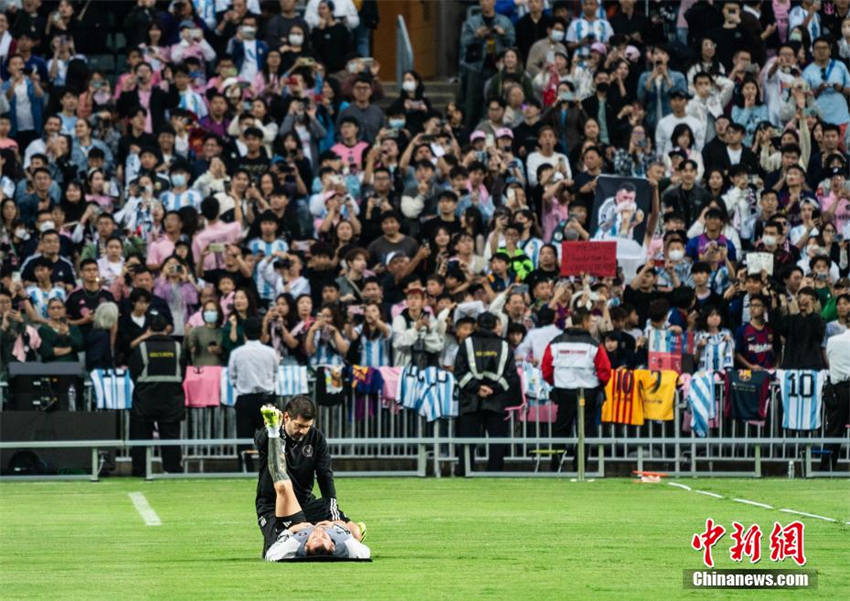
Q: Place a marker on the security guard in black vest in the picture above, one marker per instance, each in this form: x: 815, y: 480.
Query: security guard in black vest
x: 157, y: 366
x: 486, y: 372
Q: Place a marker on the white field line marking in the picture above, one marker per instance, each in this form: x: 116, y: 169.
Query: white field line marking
x: 755, y: 503
x: 677, y: 485
x: 144, y: 508
x: 808, y: 515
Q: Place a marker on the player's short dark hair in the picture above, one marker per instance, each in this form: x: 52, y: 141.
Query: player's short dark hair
x: 301, y: 406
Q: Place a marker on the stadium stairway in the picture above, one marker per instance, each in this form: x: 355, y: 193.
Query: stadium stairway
x: 439, y: 91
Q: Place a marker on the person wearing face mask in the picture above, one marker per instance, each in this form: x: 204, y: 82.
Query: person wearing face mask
x: 807, y: 16
x: 278, y: 27
x: 180, y: 195
x: 204, y: 343
x: 411, y: 103
x: 771, y: 242
x: 543, y: 51
x: 294, y: 51
x: 673, y: 269
x: 249, y: 53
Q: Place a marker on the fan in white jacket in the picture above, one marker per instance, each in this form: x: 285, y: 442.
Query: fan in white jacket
x: 710, y: 98
x: 344, y: 10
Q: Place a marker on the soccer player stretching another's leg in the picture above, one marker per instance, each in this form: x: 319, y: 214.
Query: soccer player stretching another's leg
x: 296, y: 537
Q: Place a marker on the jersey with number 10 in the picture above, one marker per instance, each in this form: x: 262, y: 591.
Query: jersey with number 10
x: 801, y: 397
x: 623, y: 402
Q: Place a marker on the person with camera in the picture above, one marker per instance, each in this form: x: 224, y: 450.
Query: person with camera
x: 483, y: 38
x: 163, y: 247
x: 370, y: 335
x: 654, y: 86
x: 325, y: 343
x: 176, y: 286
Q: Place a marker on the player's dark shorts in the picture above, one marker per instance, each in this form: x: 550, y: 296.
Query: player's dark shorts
x: 317, y: 510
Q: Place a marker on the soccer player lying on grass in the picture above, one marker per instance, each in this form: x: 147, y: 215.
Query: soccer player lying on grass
x: 296, y: 537
x: 307, y: 462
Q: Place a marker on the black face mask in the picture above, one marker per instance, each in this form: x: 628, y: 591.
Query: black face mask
x: 602, y: 87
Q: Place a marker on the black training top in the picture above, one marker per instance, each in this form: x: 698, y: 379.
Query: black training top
x: 304, y: 459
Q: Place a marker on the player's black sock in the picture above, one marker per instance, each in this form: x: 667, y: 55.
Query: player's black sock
x: 282, y: 523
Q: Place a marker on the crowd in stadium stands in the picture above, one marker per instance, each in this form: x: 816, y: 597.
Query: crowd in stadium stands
x: 238, y: 164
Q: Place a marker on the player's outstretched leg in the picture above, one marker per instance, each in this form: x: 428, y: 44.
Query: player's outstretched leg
x: 276, y: 450
x: 287, y: 509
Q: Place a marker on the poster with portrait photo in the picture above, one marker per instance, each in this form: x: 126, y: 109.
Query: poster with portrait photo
x: 621, y: 208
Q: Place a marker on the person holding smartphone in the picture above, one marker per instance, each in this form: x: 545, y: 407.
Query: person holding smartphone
x: 204, y: 343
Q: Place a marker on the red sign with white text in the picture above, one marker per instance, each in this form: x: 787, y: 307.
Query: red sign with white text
x: 595, y: 258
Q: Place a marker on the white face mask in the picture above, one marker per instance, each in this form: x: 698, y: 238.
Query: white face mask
x: 409, y: 86
x: 47, y: 225
x: 22, y: 234
x: 296, y: 39
x: 677, y: 255
x: 769, y: 240
x: 557, y: 35
x: 249, y: 32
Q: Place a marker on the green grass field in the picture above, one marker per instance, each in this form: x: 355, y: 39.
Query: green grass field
x: 431, y: 539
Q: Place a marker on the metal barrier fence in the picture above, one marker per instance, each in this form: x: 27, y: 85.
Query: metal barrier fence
x: 403, y: 51
x: 369, y: 429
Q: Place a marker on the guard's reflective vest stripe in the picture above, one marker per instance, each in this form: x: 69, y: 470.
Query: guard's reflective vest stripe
x: 479, y: 375
x: 144, y: 378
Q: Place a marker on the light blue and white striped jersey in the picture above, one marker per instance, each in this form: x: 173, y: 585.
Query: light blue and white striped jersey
x: 430, y: 392
x: 439, y: 394
x: 531, y: 248
x: 40, y: 298
x: 291, y: 380
x: 326, y: 353
x: 194, y: 102
x: 173, y: 201
x: 113, y: 388
x: 408, y: 389
x: 701, y: 402
x: 718, y: 354
x: 265, y: 287
x: 802, y: 391
x: 228, y: 393
x: 536, y: 389
x: 661, y: 341
x: 374, y: 352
